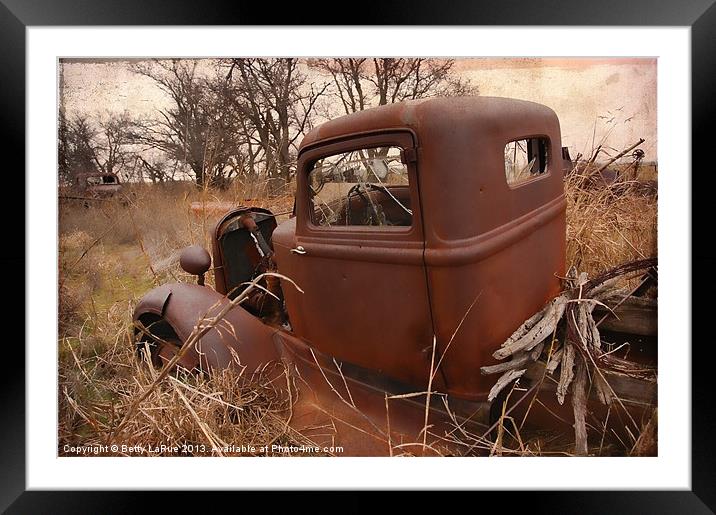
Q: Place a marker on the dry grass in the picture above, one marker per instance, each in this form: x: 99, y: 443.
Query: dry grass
x: 608, y: 225
x: 110, y: 254
x: 186, y: 415
x: 113, y: 252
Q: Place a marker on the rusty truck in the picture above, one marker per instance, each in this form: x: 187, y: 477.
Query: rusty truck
x: 97, y: 184
x: 423, y: 234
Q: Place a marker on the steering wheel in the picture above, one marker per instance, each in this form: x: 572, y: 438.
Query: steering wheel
x: 377, y: 210
x: 378, y: 217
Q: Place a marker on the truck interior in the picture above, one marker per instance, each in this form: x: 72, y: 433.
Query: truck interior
x: 362, y: 187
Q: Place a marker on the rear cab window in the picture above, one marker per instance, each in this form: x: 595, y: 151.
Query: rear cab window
x: 526, y: 159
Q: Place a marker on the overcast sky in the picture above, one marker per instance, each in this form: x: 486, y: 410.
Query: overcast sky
x: 592, y: 97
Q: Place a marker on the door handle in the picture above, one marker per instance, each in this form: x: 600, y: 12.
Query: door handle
x: 298, y: 250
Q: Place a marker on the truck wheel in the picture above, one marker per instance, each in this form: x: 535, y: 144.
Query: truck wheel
x: 162, y: 340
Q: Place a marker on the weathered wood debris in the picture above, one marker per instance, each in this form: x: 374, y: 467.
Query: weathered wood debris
x: 565, y: 333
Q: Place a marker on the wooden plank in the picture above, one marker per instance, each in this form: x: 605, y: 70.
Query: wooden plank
x: 629, y: 389
x: 636, y: 315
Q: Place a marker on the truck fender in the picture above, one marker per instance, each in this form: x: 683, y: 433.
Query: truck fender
x: 238, y: 339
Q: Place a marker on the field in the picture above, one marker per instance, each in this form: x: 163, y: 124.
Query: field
x: 113, y: 251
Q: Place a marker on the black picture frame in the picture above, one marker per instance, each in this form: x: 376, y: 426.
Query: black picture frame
x: 700, y: 15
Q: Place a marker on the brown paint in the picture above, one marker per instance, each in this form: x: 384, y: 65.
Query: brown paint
x: 374, y: 299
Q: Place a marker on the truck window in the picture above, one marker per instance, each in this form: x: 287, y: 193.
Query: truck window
x: 366, y: 187
x: 525, y: 159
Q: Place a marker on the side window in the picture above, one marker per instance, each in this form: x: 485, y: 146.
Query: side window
x: 366, y: 187
x: 525, y: 159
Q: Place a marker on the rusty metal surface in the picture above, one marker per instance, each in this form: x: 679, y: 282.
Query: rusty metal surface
x: 195, y: 260
x: 153, y: 302
x: 365, y: 298
x: 98, y: 190
x: 249, y: 254
x: 240, y: 338
x: 376, y: 297
x: 365, y: 414
x: 344, y: 407
x: 479, y: 258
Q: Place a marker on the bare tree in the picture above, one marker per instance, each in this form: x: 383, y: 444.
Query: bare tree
x: 275, y: 104
x: 75, y: 147
x: 348, y: 78
x: 239, y: 117
x: 199, y: 128
x: 360, y: 83
x: 155, y: 167
x: 110, y: 143
x: 64, y: 167
x: 94, y: 143
x: 87, y: 145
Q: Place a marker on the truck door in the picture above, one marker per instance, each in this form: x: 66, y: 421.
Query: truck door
x: 359, y: 256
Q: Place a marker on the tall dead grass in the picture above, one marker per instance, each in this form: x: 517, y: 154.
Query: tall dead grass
x: 112, y: 252
x: 224, y: 414
x: 608, y: 224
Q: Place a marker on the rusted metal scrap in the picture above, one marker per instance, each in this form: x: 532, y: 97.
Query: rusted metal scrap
x: 96, y: 184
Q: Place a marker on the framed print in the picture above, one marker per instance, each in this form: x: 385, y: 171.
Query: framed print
x: 159, y: 130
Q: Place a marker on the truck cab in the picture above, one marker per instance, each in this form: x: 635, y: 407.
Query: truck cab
x: 415, y: 219
x: 97, y: 184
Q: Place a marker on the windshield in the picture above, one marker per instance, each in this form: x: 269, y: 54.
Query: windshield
x: 362, y: 187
